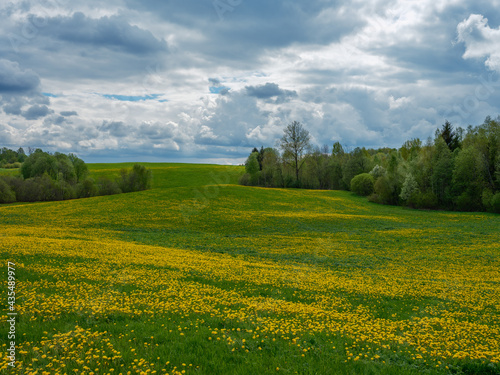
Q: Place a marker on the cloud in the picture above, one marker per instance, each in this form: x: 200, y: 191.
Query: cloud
x: 107, y: 32
x: 14, y: 80
x: 156, y: 131
x: 227, y: 120
x: 6, y: 136
x: 36, y: 111
x: 180, y: 82
x: 481, y: 41
x: 268, y: 91
x: 116, y: 129
x: 13, y: 108
x: 68, y: 113
x: 216, y: 87
x: 215, y: 82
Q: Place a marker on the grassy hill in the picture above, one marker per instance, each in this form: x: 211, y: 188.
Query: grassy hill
x: 201, y: 276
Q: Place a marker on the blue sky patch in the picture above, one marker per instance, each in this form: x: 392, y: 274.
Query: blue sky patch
x: 131, y: 98
x: 218, y: 89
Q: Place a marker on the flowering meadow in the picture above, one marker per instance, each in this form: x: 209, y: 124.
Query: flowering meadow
x: 202, y: 276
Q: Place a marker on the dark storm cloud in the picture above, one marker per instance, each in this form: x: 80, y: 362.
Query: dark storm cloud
x: 79, y: 46
x: 68, y: 113
x: 15, y: 80
x: 244, y: 31
x: 155, y: 131
x: 115, y: 128
x: 13, y: 108
x: 36, y: 111
x: 107, y: 32
x: 269, y: 90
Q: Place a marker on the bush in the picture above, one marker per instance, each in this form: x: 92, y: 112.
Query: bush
x: 139, y: 178
x: 107, y: 186
x: 12, y: 165
x: 244, y: 179
x: 362, y: 184
x: 6, y: 193
x: 15, y: 183
x: 47, y: 177
x: 289, y: 181
x: 37, y: 189
x: 252, y: 164
x: 64, y: 191
x: 464, y: 202
x: 386, y: 190
x: 486, y: 198
x: 409, y: 189
x: 28, y: 191
x: 427, y: 200
x: 86, y: 189
x: 377, y: 171
x: 495, y: 203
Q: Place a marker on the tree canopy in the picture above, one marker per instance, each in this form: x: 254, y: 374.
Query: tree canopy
x: 294, y: 143
x: 457, y: 170
x: 47, y: 177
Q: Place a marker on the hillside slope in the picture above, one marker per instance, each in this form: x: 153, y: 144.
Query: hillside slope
x: 202, y: 275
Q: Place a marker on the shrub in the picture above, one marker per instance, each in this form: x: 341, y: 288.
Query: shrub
x: 12, y: 165
x: 15, y: 183
x: 107, y: 186
x: 464, y: 202
x: 6, y: 193
x: 427, y: 200
x: 139, y: 178
x: 244, y: 179
x: 86, y: 189
x: 362, y: 184
x: 289, y: 181
x: 255, y: 178
x: 495, y: 203
x: 252, y: 163
x: 377, y: 171
x: 486, y: 198
x: 37, y: 189
x: 409, y: 189
x: 64, y: 191
x: 386, y: 190
x: 374, y: 198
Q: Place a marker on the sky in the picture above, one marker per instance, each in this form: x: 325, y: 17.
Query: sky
x: 208, y: 80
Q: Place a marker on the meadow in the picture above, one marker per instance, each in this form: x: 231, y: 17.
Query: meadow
x: 202, y: 276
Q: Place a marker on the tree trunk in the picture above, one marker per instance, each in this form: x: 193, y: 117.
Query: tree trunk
x: 296, y: 167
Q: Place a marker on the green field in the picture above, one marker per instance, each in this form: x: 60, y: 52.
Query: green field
x: 202, y: 276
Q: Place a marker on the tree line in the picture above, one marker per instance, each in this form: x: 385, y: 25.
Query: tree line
x: 11, y: 159
x: 457, y: 169
x: 51, y: 177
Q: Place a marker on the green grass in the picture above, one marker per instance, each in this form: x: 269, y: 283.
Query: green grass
x: 344, y: 277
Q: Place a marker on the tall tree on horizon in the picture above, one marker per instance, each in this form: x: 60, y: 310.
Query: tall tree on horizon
x: 294, y: 143
x: 450, y: 136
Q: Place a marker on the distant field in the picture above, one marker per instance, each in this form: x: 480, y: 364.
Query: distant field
x: 201, y: 276
x: 9, y: 171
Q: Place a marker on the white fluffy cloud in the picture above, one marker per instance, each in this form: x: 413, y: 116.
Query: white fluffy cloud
x: 481, y: 41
